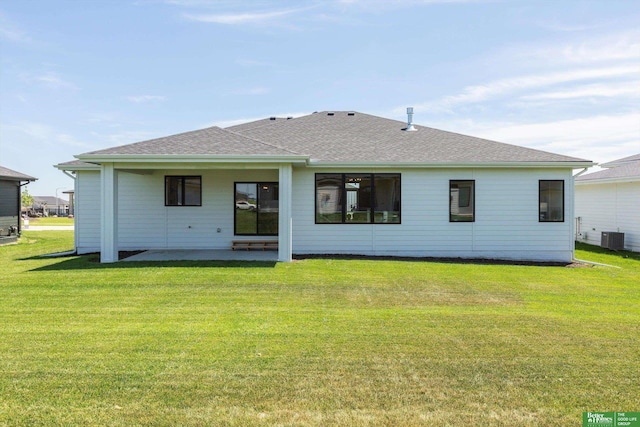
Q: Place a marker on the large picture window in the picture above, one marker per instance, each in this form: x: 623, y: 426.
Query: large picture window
x: 256, y: 208
x: 462, y: 201
x: 551, y: 198
x: 357, y: 198
x: 183, y: 191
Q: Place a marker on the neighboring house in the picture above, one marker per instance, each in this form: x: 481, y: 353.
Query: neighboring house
x: 50, y: 205
x: 71, y: 207
x: 10, y: 200
x: 609, y: 201
x: 327, y: 183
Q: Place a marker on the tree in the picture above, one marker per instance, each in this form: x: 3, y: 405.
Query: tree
x: 27, y: 199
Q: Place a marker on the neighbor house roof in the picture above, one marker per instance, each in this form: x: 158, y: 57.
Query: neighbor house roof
x: 48, y: 200
x: 626, y: 169
x: 11, y: 175
x: 620, y: 162
x: 329, y: 138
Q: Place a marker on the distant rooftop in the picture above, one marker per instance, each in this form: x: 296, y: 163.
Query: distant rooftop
x: 626, y: 168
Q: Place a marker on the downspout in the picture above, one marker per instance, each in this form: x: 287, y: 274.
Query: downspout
x: 575, y: 230
x: 75, y: 222
x: 74, y: 178
x: 20, y: 206
x: 580, y: 173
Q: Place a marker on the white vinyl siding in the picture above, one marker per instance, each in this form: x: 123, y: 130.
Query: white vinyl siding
x: 506, y: 215
x: 506, y: 219
x: 87, y: 218
x: 146, y: 223
x: 609, y: 207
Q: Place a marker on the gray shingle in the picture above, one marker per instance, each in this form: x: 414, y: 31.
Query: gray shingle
x: 369, y: 139
x: 11, y: 175
x: 209, y: 141
x: 343, y: 137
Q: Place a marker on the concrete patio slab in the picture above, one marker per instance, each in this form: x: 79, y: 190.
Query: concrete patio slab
x: 204, y: 255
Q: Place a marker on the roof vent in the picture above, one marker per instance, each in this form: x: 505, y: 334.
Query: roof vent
x: 272, y: 118
x: 351, y: 113
x: 331, y: 113
x: 410, y: 127
x: 289, y: 117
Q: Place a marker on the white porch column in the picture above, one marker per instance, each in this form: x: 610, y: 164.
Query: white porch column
x: 108, y: 213
x: 285, y: 187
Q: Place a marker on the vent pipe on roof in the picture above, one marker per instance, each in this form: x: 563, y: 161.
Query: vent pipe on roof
x: 410, y: 127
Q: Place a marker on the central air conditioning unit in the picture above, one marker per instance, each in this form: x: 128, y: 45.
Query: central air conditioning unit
x: 612, y: 240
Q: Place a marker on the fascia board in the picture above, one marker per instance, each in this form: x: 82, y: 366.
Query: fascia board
x: 77, y: 167
x: 193, y: 158
x: 510, y: 165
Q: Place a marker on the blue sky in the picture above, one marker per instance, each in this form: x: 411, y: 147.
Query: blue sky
x: 561, y: 76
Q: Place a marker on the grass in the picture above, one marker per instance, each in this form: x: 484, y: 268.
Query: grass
x: 314, y: 342
x: 50, y: 220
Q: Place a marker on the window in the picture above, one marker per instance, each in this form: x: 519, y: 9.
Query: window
x: 357, y: 198
x: 462, y: 201
x: 256, y: 208
x: 551, y: 198
x: 183, y: 191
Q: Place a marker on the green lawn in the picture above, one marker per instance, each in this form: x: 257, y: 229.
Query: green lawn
x: 50, y: 220
x: 314, y: 342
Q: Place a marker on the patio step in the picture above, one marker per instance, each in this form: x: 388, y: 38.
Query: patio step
x: 254, y: 244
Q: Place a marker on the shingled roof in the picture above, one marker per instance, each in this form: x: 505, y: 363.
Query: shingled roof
x: 621, y: 169
x: 340, y: 137
x: 11, y: 175
x: 351, y: 137
x: 208, y: 141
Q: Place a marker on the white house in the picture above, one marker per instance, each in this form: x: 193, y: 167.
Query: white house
x: 609, y: 200
x: 327, y: 183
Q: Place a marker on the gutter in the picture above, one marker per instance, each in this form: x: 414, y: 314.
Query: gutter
x: 441, y: 165
x: 20, y: 205
x: 191, y: 158
x: 68, y: 174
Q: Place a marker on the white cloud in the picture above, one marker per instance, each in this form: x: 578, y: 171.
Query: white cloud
x: 50, y: 80
x: 252, y: 91
x: 241, y: 18
x: 253, y: 63
x: 599, y: 138
x: 42, y: 133
x: 139, y: 99
x: 607, y: 90
x: 483, y: 92
x: 11, y: 32
x: 623, y: 46
x: 55, y: 82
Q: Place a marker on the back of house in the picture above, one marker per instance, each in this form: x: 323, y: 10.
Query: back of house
x: 332, y: 182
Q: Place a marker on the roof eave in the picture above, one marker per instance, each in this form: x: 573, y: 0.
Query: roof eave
x: 190, y: 158
x: 510, y: 165
x: 20, y: 179
x: 63, y: 167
